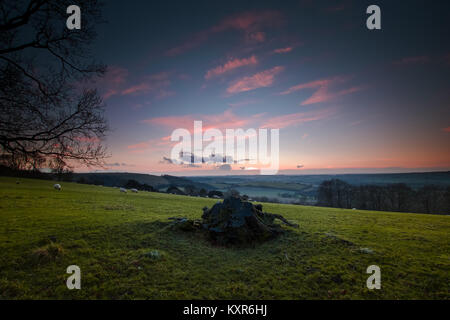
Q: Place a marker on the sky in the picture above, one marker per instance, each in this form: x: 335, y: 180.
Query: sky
x: 344, y: 98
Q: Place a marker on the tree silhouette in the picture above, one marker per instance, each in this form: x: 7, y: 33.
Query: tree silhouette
x: 48, y: 113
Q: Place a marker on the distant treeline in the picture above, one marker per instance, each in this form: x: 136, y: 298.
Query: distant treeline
x: 63, y: 175
x: 393, y: 197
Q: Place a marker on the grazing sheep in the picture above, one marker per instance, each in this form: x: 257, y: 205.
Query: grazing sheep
x: 123, y: 190
x: 57, y: 186
x: 134, y: 190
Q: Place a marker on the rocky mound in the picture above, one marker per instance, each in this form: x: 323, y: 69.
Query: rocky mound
x: 235, y: 221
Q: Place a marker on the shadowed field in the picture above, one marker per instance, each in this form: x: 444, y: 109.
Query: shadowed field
x: 109, y: 234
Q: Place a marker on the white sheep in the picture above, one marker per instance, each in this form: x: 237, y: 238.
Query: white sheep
x: 57, y: 186
x: 134, y: 190
x: 123, y: 190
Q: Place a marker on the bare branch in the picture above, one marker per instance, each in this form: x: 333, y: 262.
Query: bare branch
x: 44, y: 118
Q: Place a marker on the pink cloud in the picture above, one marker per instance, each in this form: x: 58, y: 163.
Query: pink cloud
x: 323, y: 92
x: 323, y: 95
x: 283, y: 50
x: 110, y: 93
x: 142, y: 87
x: 156, y: 83
x: 230, y: 65
x: 116, y: 75
x: 171, y: 121
x: 250, y: 23
x: 152, y: 144
x: 446, y: 129
x: 194, y: 41
x: 115, y: 82
x: 140, y: 145
x: 256, y: 36
x: 259, y: 80
x: 294, y: 119
x: 110, y: 83
x: 225, y: 120
x: 312, y: 84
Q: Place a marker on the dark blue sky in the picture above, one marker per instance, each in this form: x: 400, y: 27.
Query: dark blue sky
x: 343, y: 96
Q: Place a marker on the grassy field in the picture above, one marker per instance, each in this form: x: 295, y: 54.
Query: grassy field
x: 108, y: 235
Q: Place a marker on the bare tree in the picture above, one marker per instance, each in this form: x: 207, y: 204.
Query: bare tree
x: 48, y: 113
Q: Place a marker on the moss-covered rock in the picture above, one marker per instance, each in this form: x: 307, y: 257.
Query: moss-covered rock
x: 235, y: 221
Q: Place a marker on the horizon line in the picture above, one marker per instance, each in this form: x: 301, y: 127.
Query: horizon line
x: 355, y: 171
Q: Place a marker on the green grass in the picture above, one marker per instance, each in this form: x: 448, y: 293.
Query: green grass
x: 109, y: 235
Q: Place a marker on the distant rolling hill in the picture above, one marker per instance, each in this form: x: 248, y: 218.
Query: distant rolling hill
x: 287, y: 188
x: 112, y: 179
x: 414, y: 180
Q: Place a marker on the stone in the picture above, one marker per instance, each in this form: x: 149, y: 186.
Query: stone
x: 237, y: 222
